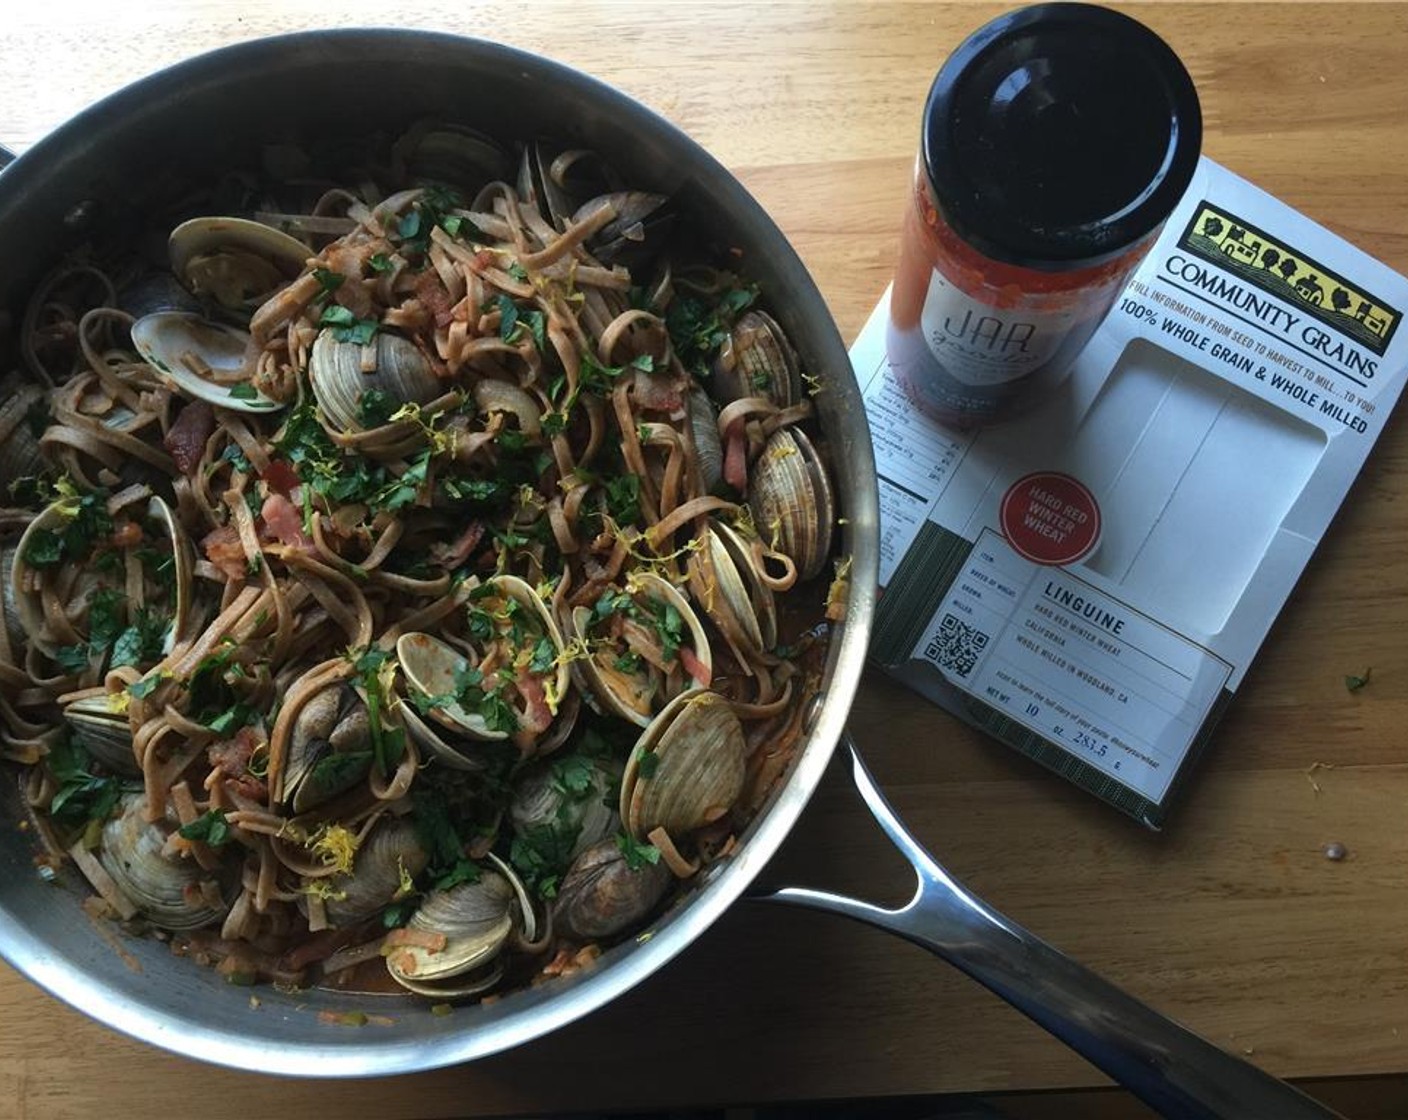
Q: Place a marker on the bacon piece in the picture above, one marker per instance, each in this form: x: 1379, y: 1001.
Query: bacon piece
x: 431, y: 292
x: 222, y: 548
x: 186, y: 437
x: 736, y: 456
x: 282, y: 519
x: 694, y: 667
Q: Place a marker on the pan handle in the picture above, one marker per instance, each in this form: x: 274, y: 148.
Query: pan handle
x: 1167, y: 1066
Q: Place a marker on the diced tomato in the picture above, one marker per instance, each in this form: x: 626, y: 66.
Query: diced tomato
x: 281, y: 476
x: 431, y: 292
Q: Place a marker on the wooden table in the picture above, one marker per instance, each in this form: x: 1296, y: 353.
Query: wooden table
x: 1232, y: 920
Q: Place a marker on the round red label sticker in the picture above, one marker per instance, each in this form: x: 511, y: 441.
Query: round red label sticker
x: 1050, y: 518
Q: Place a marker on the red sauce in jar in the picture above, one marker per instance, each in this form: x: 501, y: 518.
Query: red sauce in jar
x: 1057, y: 139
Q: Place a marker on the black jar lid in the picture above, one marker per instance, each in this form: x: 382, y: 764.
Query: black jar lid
x: 1058, y: 135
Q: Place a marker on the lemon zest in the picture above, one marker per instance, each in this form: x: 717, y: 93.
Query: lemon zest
x: 335, y: 845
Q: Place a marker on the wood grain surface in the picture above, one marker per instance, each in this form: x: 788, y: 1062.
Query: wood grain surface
x: 1231, y: 920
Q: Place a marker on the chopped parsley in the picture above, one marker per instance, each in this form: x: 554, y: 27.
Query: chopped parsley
x: 82, y: 796
x: 374, y: 407
x: 623, y: 499
x: 542, y: 854
x: 637, y: 854
x: 346, y: 327
x: 89, y: 522
x: 328, y: 280
x: 380, y: 262
x: 244, y: 391
x: 388, y: 743
x: 1355, y: 681
x: 508, y: 318
x: 143, y: 641
x: 647, y: 762
x: 210, y: 828
x: 698, y: 330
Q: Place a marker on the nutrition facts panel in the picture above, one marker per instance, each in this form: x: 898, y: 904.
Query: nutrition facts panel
x: 914, y: 459
x: 1073, y: 664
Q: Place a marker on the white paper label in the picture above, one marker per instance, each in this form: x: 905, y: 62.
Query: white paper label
x: 1080, y: 668
x: 982, y: 345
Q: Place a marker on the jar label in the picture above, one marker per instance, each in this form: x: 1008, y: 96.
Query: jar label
x: 979, y: 344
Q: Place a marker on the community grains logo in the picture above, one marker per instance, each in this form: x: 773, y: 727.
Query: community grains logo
x: 1275, y: 267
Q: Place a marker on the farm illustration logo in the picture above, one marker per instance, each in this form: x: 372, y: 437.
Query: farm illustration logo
x: 1275, y: 267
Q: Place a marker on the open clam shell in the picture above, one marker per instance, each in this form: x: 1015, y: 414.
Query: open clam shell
x: 697, y: 771
x: 792, y: 501
x: 210, y: 361
x: 620, y: 673
x: 234, y: 262
x: 434, y: 669
x: 452, y: 154
x: 476, y: 919
x: 166, y: 890
x: 73, y: 579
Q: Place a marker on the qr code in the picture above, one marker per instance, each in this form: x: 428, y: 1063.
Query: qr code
x: 956, y: 646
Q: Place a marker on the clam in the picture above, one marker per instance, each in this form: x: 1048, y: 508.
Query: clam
x: 157, y: 291
x: 510, y: 628
x: 154, y: 577
x: 102, y: 728
x: 792, y: 502
x: 167, y: 890
x: 387, y: 860
x: 541, y: 799
x: 602, y: 895
x: 211, y: 361
x: 756, y: 360
x: 330, y: 748
x: 726, y: 584
x: 476, y: 920
x: 642, y: 222
x: 708, y: 448
x: 22, y: 409
x: 697, y: 772
x: 14, y: 628
x: 631, y: 669
x: 453, y: 155
x: 343, y: 372
x: 235, y: 263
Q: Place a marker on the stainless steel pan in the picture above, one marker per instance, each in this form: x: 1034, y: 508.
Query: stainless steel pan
x: 214, y: 113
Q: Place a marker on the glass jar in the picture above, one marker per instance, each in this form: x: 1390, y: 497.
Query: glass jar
x: 1056, y: 141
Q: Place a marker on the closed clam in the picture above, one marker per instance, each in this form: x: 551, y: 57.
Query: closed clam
x: 23, y: 416
x: 725, y: 582
x: 708, y: 447
x: 330, y: 748
x: 542, y: 800
x: 462, y: 931
x: 210, y: 361
x: 171, y: 891
x: 645, y: 646
x: 233, y: 263
x: 695, y: 775
x: 100, y: 726
x: 454, y: 155
x: 792, y: 502
x: 757, y: 360
x: 387, y: 860
x: 602, y: 895
x: 358, y: 387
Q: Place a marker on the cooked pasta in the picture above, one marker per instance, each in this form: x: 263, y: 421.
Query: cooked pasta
x: 427, y: 582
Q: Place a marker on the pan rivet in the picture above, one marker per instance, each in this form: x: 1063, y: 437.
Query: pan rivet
x: 81, y: 214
